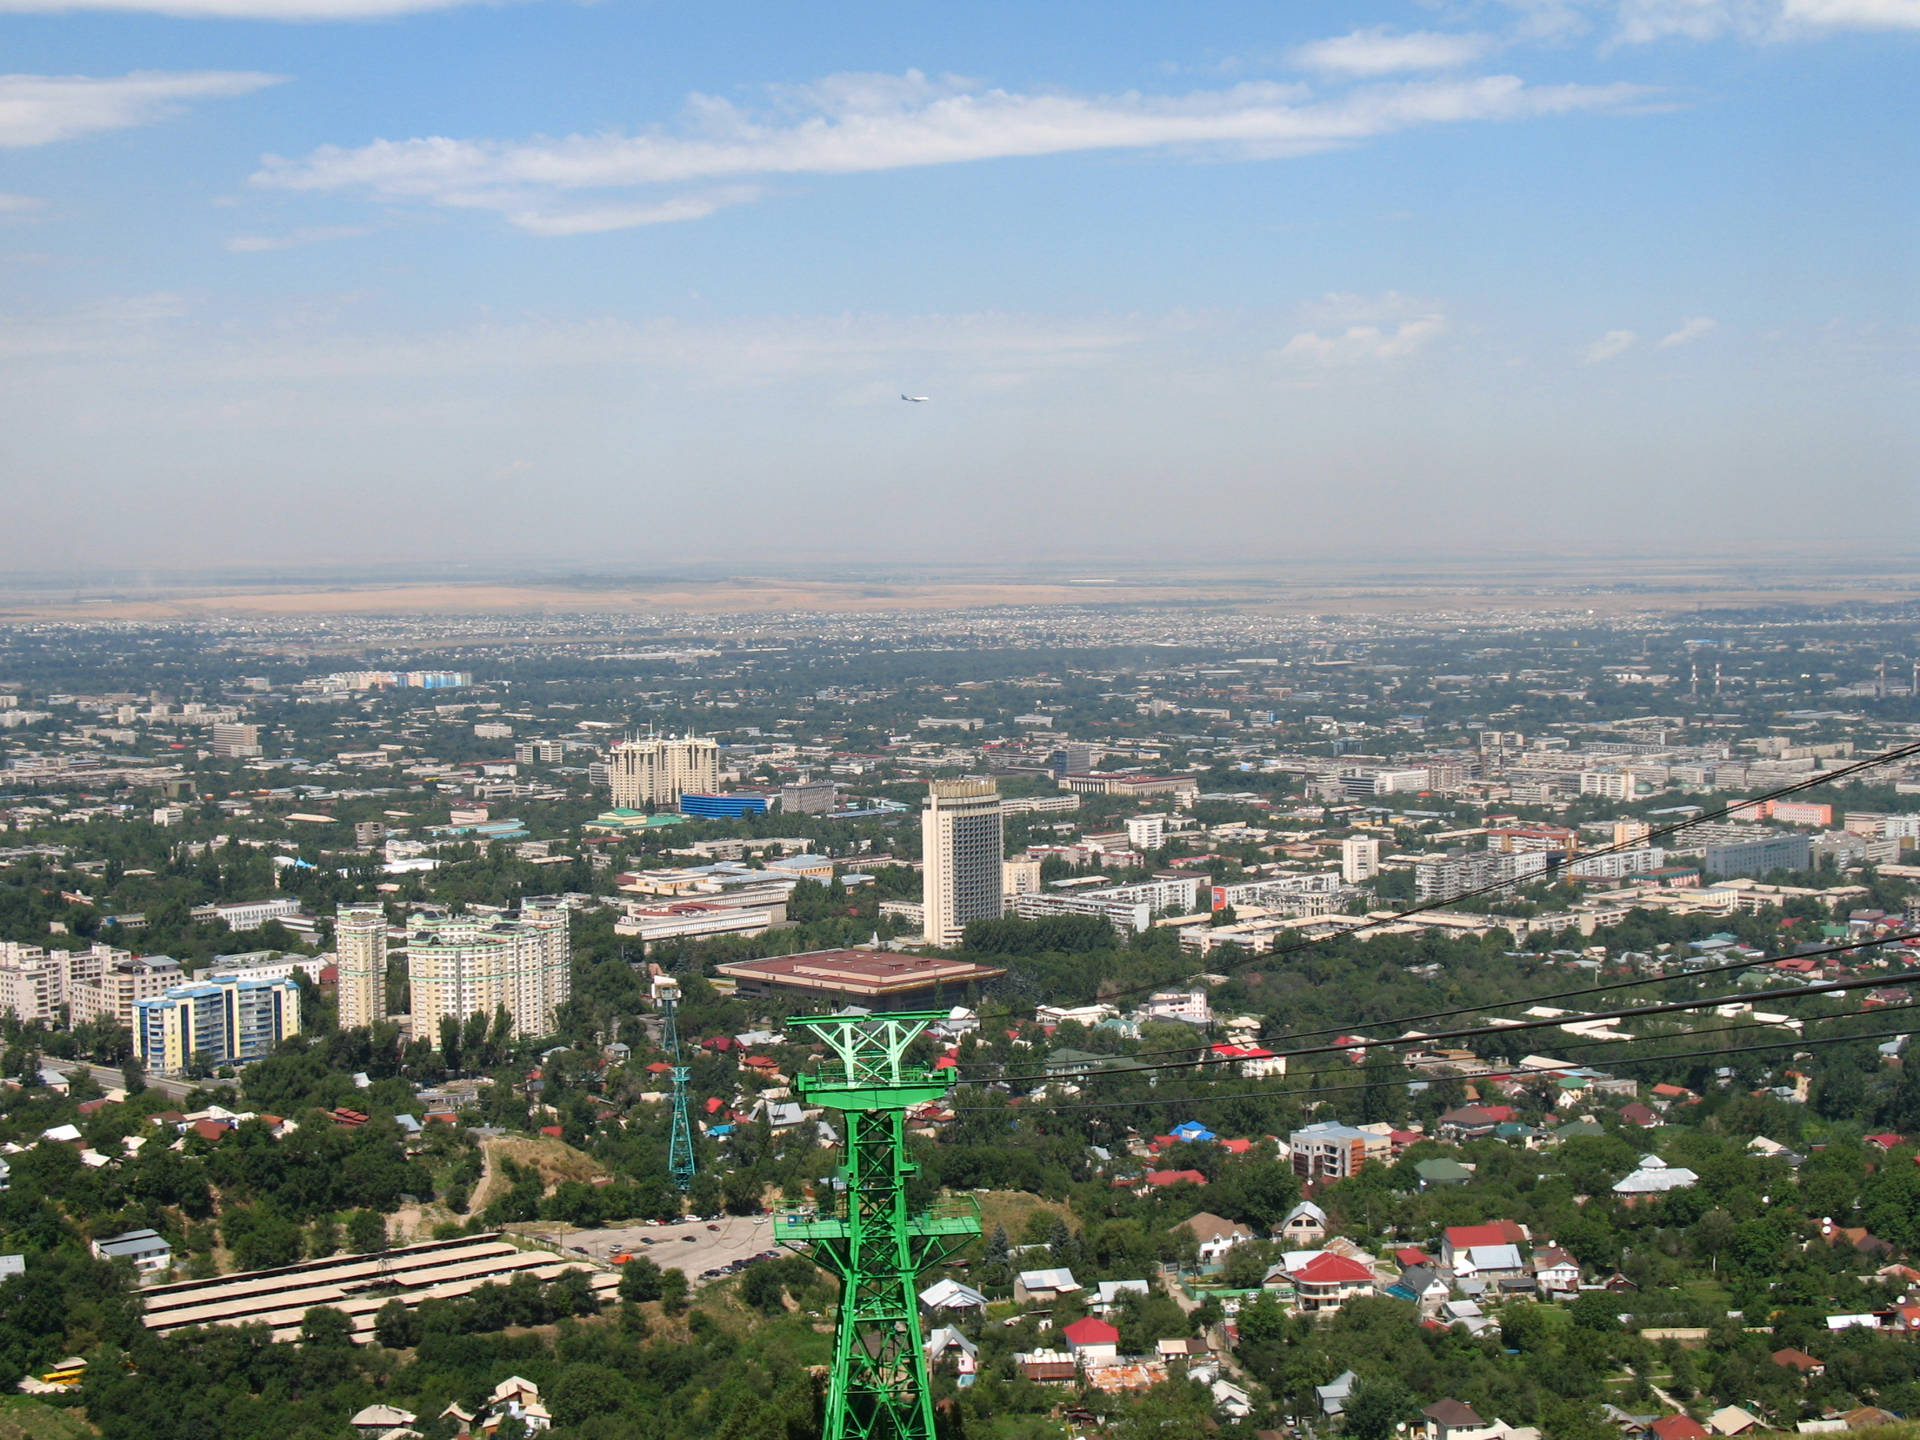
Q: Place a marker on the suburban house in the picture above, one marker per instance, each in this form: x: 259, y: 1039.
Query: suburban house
x: 1306, y: 1224
x: 1652, y: 1179
x: 1092, y: 1341
x: 1555, y: 1272
x: 1333, y: 1396
x: 1460, y: 1238
x: 145, y: 1248
x: 1045, y: 1286
x: 1328, y: 1281
x: 1108, y: 1294
x: 1456, y: 1420
x: 1215, y: 1234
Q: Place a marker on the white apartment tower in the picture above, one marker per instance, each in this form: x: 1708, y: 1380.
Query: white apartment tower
x: 1359, y: 858
x: 459, y: 964
x: 961, y: 848
x: 360, y: 951
x: 653, y: 773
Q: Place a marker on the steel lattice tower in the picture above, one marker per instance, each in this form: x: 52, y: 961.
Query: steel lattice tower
x: 680, y: 1166
x: 872, y: 1240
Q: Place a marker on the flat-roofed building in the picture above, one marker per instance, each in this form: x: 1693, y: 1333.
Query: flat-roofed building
x: 458, y: 965
x: 653, y: 773
x: 360, y: 948
x: 123, y: 983
x: 222, y: 1021
x: 860, y: 976
x: 962, y: 846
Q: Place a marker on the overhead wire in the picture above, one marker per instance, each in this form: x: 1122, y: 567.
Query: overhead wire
x: 1350, y: 1045
x: 1637, y: 982
x: 1185, y: 1101
x: 1813, y: 782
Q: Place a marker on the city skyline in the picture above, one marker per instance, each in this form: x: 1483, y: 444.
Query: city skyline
x: 408, y: 276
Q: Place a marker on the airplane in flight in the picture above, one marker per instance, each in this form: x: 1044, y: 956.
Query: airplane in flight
x: 916, y: 399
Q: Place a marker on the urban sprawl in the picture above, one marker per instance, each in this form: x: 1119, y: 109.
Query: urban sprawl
x: 1486, y: 1025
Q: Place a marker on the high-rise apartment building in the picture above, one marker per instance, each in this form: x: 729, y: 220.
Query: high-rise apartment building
x: 32, y: 983
x: 460, y: 964
x: 123, y: 982
x: 360, y: 951
x: 1359, y: 858
x: 961, y: 849
x: 653, y: 773
x: 222, y: 1021
x: 236, y: 742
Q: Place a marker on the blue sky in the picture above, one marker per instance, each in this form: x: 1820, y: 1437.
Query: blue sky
x: 630, y: 281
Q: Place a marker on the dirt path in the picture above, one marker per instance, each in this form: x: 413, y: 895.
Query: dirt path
x: 483, y: 1192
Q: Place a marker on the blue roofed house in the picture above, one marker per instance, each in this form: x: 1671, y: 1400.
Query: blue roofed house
x: 145, y: 1248
x: 1193, y: 1132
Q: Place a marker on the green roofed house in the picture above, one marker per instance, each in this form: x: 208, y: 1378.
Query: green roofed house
x: 618, y: 821
x: 1441, y: 1172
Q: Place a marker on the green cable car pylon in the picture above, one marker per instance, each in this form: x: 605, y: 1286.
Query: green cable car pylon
x: 868, y: 1235
x: 680, y: 1166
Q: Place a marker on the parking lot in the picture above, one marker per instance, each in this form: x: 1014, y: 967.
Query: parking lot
x: 692, y: 1246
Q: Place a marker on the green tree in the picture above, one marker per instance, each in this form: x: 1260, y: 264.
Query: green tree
x: 366, y: 1232
x: 640, y: 1279
x: 326, y: 1327
x: 1377, y: 1406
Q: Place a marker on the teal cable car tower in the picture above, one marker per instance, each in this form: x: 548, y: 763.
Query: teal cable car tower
x: 868, y: 1235
x: 680, y: 1166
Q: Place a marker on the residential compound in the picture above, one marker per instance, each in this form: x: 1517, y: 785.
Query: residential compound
x: 460, y: 965
x: 654, y: 772
x: 223, y: 1021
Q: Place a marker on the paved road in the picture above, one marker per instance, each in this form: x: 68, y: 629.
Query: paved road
x: 689, y: 1246
x: 112, y: 1079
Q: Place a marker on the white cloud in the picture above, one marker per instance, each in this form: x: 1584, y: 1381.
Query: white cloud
x: 1610, y: 345
x: 1361, y: 329
x: 1688, y: 332
x: 1854, y: 14
x: 1642, y: 21
x: 858, y: 124
x: 594, y: 220
x: 286, y: 10
x: 1383, y: 51
x: 19, y: 204
x: 293, y: 239
x: 40, y: 109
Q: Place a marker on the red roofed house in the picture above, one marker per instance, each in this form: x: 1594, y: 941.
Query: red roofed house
x: 1328, y: 1281
x: 1460, y: 1238
x: 1799, y: 1360
x: 1886, y: 1142
x: 210, y: 1129
x: 1160, y: 1179
x: 1255, y: 1062
x: 1092, y: 1340
x: 1678, y: 1427
x: 552, y: 1132
x: 659, y: 1067
x: 1634, y: 1113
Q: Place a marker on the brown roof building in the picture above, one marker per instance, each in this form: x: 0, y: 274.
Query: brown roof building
x: 860, y: 976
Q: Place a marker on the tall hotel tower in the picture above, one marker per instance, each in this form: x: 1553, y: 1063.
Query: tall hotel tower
x: 961, y: 844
